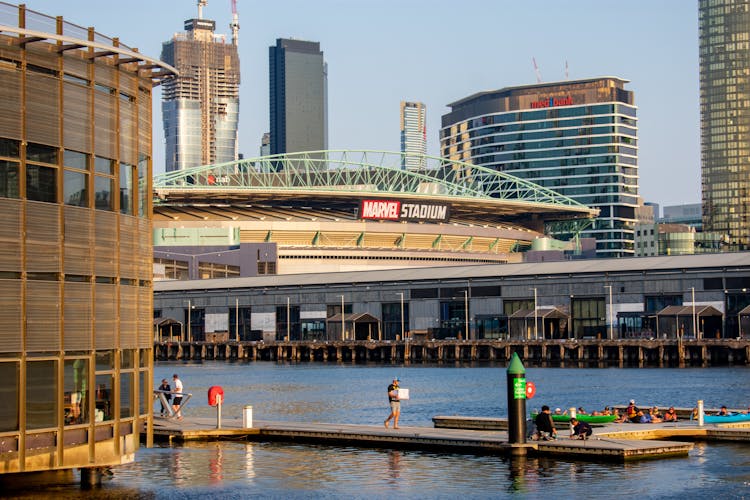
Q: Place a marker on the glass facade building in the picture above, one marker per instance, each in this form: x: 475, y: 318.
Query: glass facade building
x: 579, y: 138
x: 298, y: 84
x: 413, y: 135
x: 75, y: 245
x: 201, y: 107
x: 724, y: 39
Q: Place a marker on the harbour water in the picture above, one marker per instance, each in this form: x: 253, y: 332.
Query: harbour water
x: 356, y: 394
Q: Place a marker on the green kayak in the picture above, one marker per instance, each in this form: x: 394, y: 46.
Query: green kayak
x: 591, y: 419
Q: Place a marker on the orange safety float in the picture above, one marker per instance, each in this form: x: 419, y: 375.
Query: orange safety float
x: 215, y: 395
x: 530, y: 390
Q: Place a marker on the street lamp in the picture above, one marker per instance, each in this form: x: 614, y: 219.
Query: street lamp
x: 611, y: 336
x: 401, y: 294
x: 536, y: 319
x: 288, y: 338
x: 342, y: 318
x: 695, y: 331
x: 189, y: 318
x: 466, y: 314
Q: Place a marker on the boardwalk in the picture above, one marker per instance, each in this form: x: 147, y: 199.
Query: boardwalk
x: 610, y: 448
x: 625, y: 352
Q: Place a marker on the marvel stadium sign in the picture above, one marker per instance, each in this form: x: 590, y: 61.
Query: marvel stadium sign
x: 402, y: 211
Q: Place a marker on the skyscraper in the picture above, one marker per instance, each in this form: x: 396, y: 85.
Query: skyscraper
x: 298, y: 96
x: 413, y: 134
x: 201, y: 107
x: 576, y: 137
x: 724, y: 35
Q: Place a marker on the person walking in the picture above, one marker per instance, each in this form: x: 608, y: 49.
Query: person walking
x: 395, y: 404
x: 177, y: 391
x: 167, y: 391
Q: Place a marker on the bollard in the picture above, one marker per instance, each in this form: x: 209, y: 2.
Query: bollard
x: 516, y: 380
x: 218, y: 411
x: 247, y: 417
x: 700, y: 413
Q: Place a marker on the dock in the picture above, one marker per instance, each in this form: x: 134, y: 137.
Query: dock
x: 549, y: 352
x: 604, y: 447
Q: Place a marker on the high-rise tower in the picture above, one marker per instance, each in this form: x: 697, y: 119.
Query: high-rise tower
x: 413, y: 135
x: 724, y: 34
x: 298, y: 96
x: 201, y: 107
x: 578, y: 137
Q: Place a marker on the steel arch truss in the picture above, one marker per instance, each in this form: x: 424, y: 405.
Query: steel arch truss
x: 361, y: 171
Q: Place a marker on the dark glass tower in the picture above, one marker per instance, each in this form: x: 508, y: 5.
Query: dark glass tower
x: 298, y: 97
x: 724, y: 34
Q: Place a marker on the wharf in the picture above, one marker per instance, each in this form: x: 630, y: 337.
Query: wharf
x: 549, y: 352
x: 423, y: 438
x: 682, y: 430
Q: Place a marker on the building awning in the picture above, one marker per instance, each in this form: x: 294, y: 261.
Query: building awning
x: 699, y: 311
x: 354, y: 318
x: 161, y: 322
x: 544, y: 313
x: 744, y: 312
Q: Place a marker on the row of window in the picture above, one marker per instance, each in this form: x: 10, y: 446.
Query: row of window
x: 554, y: 113
x: 87, y: 181
x: 81, y: 393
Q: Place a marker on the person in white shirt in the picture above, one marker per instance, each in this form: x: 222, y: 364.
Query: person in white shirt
x: 177, y: 391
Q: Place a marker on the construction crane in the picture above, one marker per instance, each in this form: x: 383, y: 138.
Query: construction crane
x: 235, y: 24
x: 536, y: 70
x: 201, y: 4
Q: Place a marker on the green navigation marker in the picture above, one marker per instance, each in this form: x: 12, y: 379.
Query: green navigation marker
x: 516, y: 366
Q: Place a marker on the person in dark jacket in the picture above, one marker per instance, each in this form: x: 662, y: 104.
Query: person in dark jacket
x: 167, y: 395
x: 544, y: 425
x: 581, y: 430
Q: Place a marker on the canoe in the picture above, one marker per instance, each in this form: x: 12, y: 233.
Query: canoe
x: 591, y: 419
x: 722, y: 419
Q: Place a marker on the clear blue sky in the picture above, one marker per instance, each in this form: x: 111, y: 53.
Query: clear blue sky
x: 435, y: 51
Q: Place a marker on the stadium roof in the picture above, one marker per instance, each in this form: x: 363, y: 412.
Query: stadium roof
x: 338, y: 177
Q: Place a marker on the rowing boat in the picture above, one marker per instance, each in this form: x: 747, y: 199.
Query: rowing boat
x: 722, y: 419
x: 591, y: 419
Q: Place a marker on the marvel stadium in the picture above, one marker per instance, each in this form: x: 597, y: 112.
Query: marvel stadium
x: 344, y: 210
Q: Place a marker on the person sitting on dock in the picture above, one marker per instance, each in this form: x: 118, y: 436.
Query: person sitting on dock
x: 656, y: 414
x: 619, y: 419
x: 581, y: 411
x: 558, y: 411
x: 670, y: 415
x: 723, y: 412
x: 581, y: 430
x: 632, y: 409
x: 544, y: 425
x: 639, y: 418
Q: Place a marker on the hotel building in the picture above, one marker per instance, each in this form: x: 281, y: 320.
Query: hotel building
x: 579, y: 138
x: 724, y: 40
x: 201, y: 107
x: 75, y: 245
x: 413, y: 135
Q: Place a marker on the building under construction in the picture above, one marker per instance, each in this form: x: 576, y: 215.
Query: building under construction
x: 201, y: 107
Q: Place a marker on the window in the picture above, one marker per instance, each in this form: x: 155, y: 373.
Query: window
x: 41, y: 183
x: 41, y: 394
x: 105, y: 397
x: 104, y: 165
x: 9, y: 148
x: 41, y: 153
x: 75, y: 188
x: 103, y: 187
x: 9, y: 185
x: 127, y: 190
x: 76, y: 391
x: 9, y: 396
x: 74, y: 159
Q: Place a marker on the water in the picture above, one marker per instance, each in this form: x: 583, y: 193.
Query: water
x: 356, y: 394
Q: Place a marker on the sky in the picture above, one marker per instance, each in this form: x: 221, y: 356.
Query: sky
x: 437, y: 52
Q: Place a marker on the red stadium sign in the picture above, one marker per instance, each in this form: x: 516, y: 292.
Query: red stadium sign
x: 397, y: 210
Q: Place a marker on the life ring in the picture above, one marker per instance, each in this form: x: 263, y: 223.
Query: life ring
x: 530, y: 390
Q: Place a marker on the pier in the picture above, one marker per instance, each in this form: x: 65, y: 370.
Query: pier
x: 624, y: 352
x: 450, y: 440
